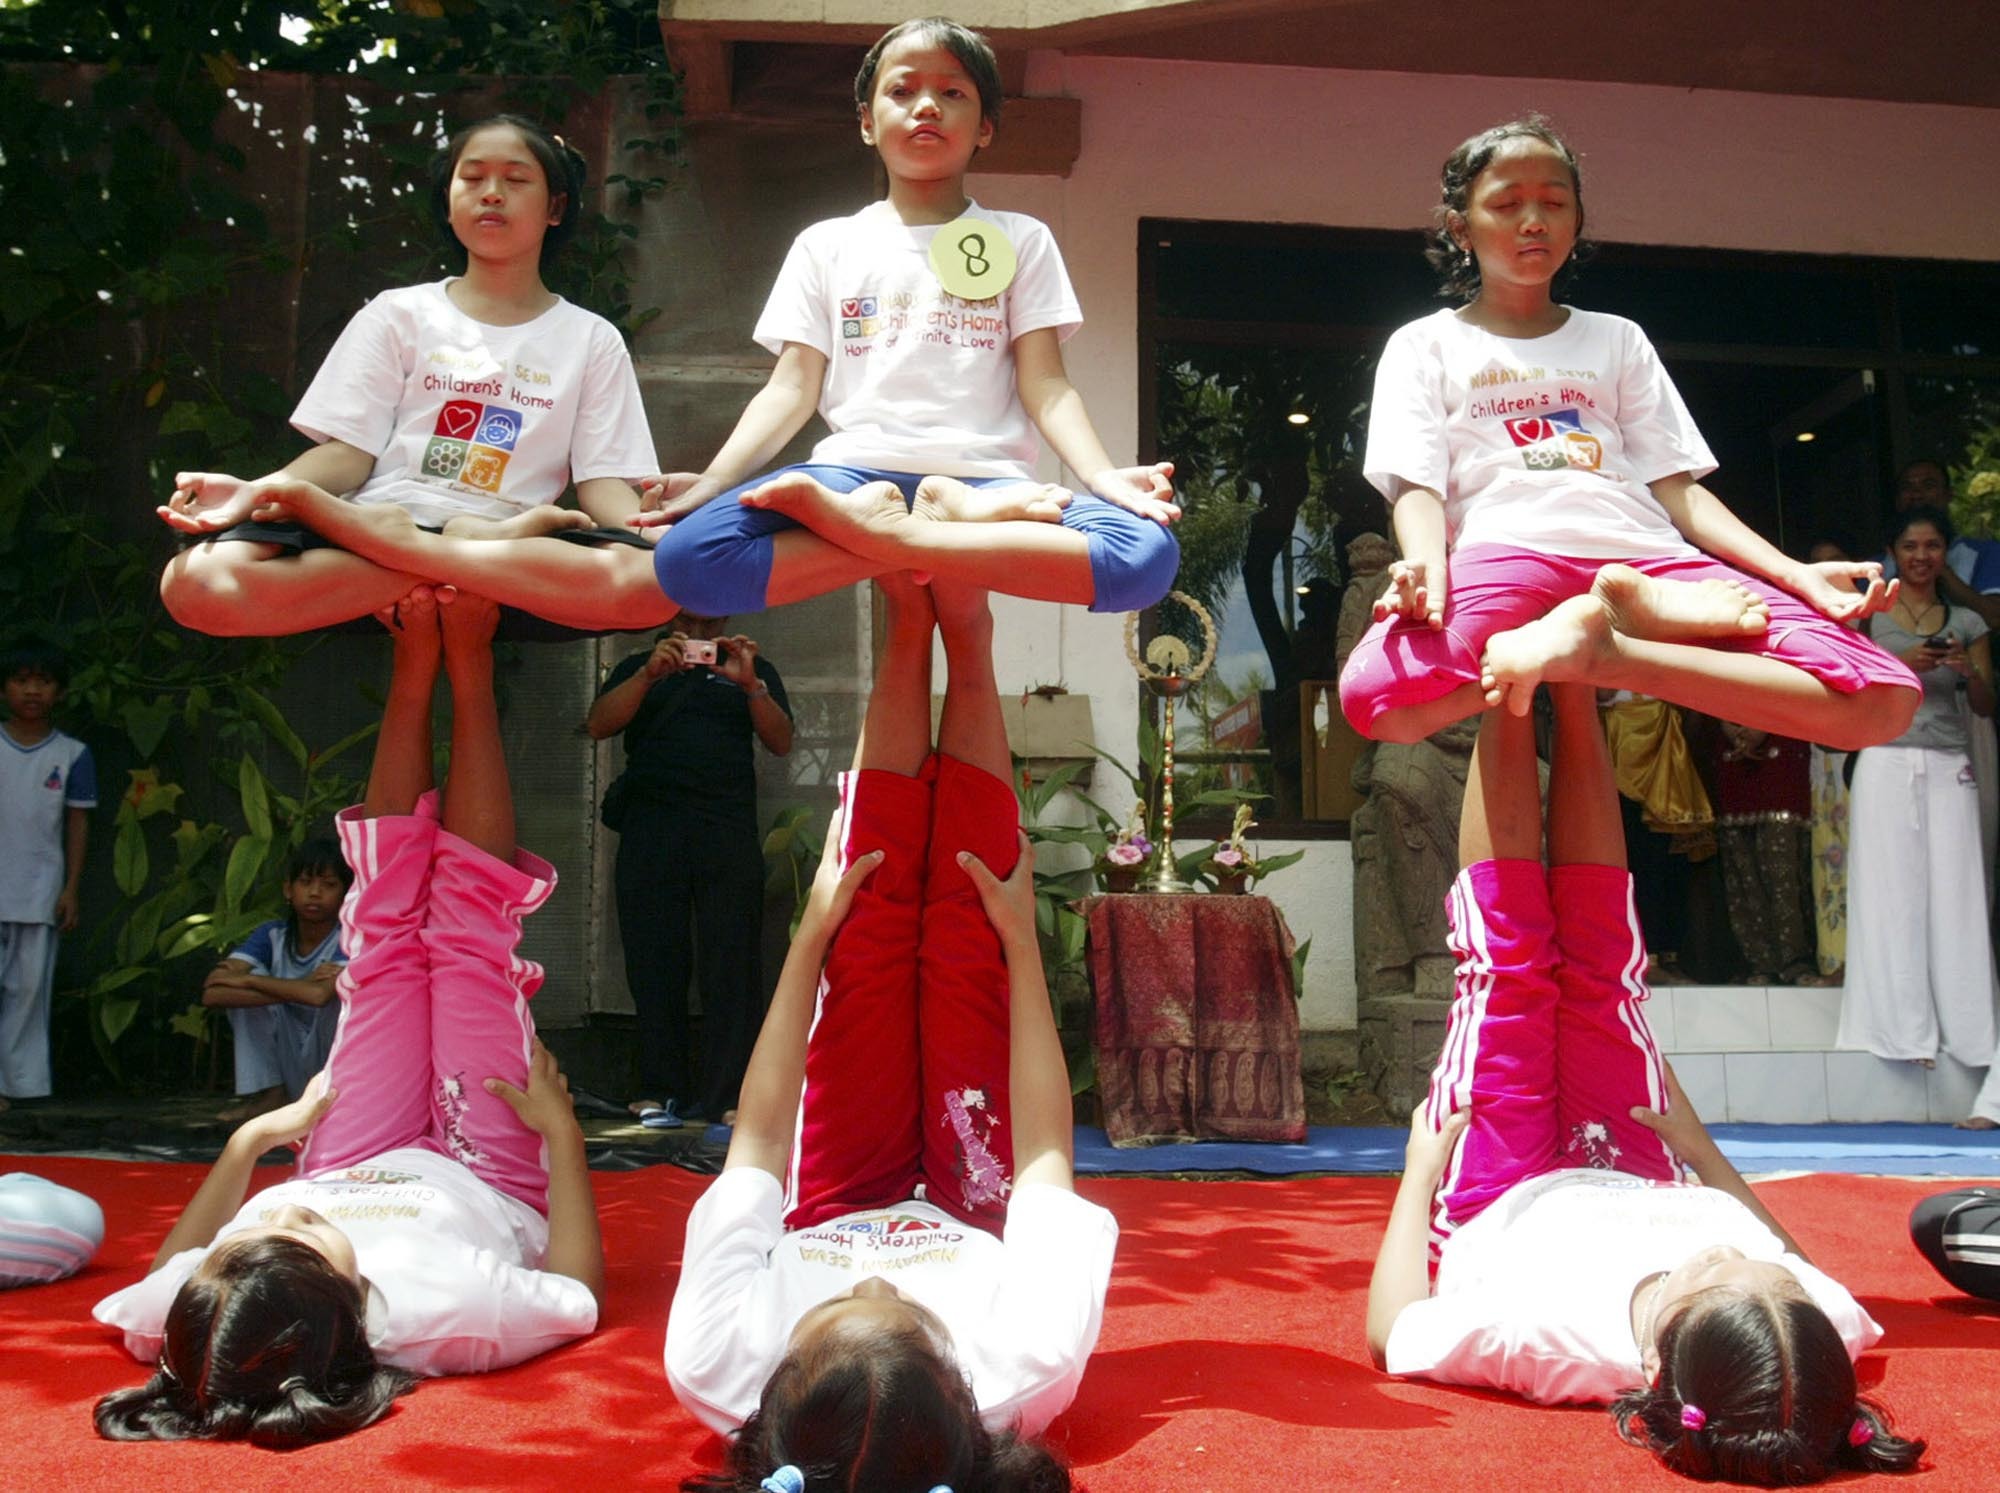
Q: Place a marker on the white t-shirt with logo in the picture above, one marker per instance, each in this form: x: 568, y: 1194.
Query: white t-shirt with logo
x: 466, y: 418
x: 1534, y: 1296
x: 449, y: 1263
x: 1023, y: 1311
x: 39, y: 784
x: 1538, y: 443
x: 917, y: 379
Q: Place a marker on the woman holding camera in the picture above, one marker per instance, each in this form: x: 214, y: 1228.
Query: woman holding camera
x: 1920, y: 975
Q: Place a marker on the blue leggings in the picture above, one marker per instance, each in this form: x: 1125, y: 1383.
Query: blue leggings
x: 717, y: 561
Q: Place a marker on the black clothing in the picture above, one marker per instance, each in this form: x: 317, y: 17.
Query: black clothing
x: 690, y: 879
x: 1959, y: 1233
x: 692, y: 744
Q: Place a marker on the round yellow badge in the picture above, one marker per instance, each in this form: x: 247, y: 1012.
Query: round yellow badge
x: 972, y: 259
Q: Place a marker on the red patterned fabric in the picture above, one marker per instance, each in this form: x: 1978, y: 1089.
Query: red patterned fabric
x: 1196, y: 1023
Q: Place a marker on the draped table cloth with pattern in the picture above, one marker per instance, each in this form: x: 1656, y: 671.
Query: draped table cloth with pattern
x: 1195, y: 1020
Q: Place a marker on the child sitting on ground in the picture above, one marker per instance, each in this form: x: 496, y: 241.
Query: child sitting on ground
x: 278, y: 985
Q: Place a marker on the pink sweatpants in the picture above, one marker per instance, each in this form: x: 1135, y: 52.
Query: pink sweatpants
x: 1547, y: 1041
x: 1399, y: 663
x: 434, y: 1001
x: 906, y: 1065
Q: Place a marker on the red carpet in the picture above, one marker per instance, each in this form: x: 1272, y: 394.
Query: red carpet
x: 1232, y: 1358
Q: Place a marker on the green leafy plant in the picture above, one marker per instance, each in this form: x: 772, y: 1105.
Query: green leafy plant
x: 792, y: 850
x: 150, y: 154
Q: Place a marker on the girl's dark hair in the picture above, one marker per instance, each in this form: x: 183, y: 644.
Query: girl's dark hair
x: 562, y: 168
x: 265, y: 1343
x: 1922, y: 513
x: 883, y: 1414
x: 1774, y: 1395
x: 1457, y: 270
x: 973, y: 51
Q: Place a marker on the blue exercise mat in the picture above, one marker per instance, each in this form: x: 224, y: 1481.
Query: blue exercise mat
x: 1882, y: 1150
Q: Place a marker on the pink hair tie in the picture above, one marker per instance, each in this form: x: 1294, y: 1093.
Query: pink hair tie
x: 1860, y: 1433
x: 1693, y: 1417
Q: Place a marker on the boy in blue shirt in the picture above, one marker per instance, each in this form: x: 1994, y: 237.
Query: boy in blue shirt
x: 48, y: 785
x: 278, y: 985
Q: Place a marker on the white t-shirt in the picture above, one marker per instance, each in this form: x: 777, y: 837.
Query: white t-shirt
x: 1534, y: 1296
x: 466, y: 418
x: 449, y: 1263
x: 1023, y: 1313
x: 1541, y: 443
x: 39, y: 784
x: 917, y: 379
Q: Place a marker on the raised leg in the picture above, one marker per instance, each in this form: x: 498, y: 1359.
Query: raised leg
x: 1498, y: 1058
x: 1606, y: 1059
x: 963, y: 990
x: 482, y: 887
x: 379, y: 1066
x: 858, y: 1133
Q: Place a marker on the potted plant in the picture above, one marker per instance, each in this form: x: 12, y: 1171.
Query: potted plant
x: 1232, y: 868
x: 1125, y: 857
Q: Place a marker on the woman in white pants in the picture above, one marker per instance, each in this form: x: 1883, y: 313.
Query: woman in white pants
x: 1920, y: 976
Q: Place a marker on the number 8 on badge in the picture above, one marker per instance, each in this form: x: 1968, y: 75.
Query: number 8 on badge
x: 972, y: 259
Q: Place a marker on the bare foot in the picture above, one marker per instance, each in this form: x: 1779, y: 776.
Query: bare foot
x: 249, y: 1106
x: 950, y: 499
x: 467, y: 625
x: 533, y: 523
x: 381, y: 532
x: 208, y: 502
x: 872, y: 521
x: 1977, y: 1122
x: 1561, y: 647
x: 1644, y: 606
x: 414, y: 619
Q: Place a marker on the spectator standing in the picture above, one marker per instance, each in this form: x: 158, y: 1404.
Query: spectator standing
x: 1920, y: 976
x: 1970, y: 579
x: 277, y: 986
x: 48, y: 785
x: 690, y: 867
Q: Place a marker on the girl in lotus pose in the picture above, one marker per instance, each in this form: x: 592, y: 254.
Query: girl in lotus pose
x: 452, y: 415
x: 928, y: 332
x: 1543, y: 1187
x: 1545, y: 451
x: 893, y: 1284
x: 440, y: 1221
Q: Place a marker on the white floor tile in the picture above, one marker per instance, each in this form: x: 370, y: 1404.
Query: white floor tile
x: 1659, y: 1010
x: 1721, y: 1020
x: 1950, y: 1088
x: 1703, y: 1077
x: 1776, y: 1088
x: 1803, y: 1019
x: 1863, y: 1087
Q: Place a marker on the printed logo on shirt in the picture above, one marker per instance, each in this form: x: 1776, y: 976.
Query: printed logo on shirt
x: 470, y: 444
x: 54, y: 780
x: 371, y: 1176
x: 1556, y: 440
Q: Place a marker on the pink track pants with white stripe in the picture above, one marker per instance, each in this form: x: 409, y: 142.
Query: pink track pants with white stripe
x: 1548, y: 1040
x: 434, y: 1001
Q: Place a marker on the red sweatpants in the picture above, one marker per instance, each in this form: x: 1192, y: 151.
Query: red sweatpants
x: 906, y: 1065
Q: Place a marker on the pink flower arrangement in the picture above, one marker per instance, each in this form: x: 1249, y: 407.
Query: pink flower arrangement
x: 1128, y: 852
